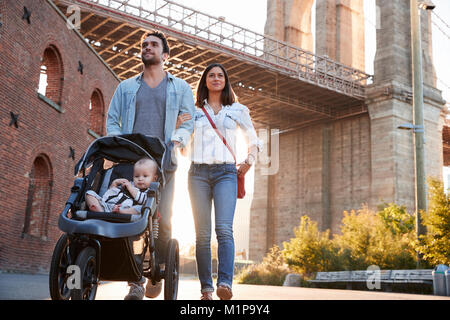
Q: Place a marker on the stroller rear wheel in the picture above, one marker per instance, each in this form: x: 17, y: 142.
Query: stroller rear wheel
x: 171, y: 273
x: 58, y: 276
x: 87, y: 262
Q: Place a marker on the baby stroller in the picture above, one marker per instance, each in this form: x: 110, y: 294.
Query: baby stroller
x: 110, y: 246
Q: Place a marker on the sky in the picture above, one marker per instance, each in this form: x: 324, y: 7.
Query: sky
x: 251, y: 14
x: 441, y: 45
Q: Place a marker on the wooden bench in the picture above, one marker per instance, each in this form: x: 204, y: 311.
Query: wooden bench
x: 332, y: 277
x: 412, y: 276
x: 387, y: 277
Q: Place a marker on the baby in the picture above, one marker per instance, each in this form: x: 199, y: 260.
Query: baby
x: 124, y: 196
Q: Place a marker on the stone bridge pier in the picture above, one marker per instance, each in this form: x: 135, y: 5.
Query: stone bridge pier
x: 343, y: 163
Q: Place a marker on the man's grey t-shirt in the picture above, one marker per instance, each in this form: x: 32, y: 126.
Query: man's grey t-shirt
x: 151, y: 109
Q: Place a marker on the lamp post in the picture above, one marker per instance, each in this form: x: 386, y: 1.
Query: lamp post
x: 417, y: 84
x: 418, y: 122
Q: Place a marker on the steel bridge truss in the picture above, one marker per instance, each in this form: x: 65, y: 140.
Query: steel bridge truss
x: 284, y: 86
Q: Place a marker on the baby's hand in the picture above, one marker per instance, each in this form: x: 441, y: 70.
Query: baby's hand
x: 118, y: 182
x: 127, y: 184
x: 116, y: 208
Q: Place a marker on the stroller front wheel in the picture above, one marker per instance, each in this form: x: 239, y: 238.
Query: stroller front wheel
x: 171, y: 274
x: 87, y: 262
x: 61, y: 259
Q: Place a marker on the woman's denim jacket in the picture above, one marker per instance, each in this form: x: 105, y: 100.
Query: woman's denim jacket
x: 179, y: 99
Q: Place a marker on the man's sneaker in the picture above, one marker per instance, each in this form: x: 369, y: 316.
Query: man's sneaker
x: 224, y: 292
x: 152, y: 291
x: 136, y: 292
x: 206, y: 296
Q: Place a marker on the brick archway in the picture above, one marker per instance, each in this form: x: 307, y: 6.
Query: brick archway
x: 53, y: 71
x: 38, y: 198
x: 97, y: 112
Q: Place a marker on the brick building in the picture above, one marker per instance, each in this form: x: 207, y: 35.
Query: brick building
x: 58, y: 89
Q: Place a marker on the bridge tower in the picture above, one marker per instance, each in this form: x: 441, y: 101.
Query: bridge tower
x: 343, y: 163
x: 389, y: 101
x: 340, y: 31
x: 290, y: 21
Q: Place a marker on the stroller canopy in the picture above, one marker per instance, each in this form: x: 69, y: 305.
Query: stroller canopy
x: 125, y: 148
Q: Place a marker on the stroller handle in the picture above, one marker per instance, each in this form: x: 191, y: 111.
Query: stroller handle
x: 107, y: 216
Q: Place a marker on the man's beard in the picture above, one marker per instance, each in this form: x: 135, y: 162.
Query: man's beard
x: 151, y: 61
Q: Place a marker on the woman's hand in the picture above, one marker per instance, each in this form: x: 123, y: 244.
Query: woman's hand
x: 182, y: 118
x: 246, y: 165
x: 243, y: 167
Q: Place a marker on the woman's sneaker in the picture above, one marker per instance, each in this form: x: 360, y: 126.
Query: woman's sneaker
x: 224, y: 292
x: 136, y: 292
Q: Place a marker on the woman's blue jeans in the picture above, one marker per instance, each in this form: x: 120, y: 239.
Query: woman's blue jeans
x: 216, y: 182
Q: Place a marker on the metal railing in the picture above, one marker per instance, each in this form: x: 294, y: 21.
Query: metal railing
x: 263, y: 49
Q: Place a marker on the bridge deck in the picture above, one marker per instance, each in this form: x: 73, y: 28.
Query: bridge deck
x: 284, y: 86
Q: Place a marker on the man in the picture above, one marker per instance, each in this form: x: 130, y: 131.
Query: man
x: 150, y: 104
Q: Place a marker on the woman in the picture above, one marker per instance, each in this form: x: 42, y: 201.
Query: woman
x: 213, y: 175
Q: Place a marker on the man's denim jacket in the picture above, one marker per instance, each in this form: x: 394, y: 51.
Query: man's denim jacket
x: 179, y: 99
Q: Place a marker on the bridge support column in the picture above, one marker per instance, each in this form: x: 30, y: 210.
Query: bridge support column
x: 290, y: 21
x: 300, y: 186
x: 261, y: 213
x: 326, y: 176
x: 340, y: 31
x: 389, y: 102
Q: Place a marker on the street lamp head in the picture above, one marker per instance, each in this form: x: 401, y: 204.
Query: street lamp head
x: 413, y: 127
x: 426, y: 5
x: 406, y: 126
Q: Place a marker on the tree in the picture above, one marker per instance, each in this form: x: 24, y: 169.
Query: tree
x: 435, y: 245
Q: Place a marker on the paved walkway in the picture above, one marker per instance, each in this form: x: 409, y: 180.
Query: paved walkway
x: 35, y: 287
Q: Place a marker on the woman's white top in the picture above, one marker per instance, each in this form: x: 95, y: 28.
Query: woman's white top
x: 206, y: 146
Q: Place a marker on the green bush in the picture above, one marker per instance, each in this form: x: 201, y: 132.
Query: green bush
x: 272, y: 270
x: 384, y: 238
x: 435, y: 245
x: 396, y: 219
x: 311, y: 250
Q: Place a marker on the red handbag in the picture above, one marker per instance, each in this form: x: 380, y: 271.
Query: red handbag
x: 240, y: 177
x: 241, y: 186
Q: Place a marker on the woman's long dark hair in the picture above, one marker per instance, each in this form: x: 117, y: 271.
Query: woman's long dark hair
x: 227, y: 97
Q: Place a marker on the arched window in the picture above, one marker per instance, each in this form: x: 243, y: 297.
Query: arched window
x: 96, y: 113
x: 38, y: 199
x: 51, y: 75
